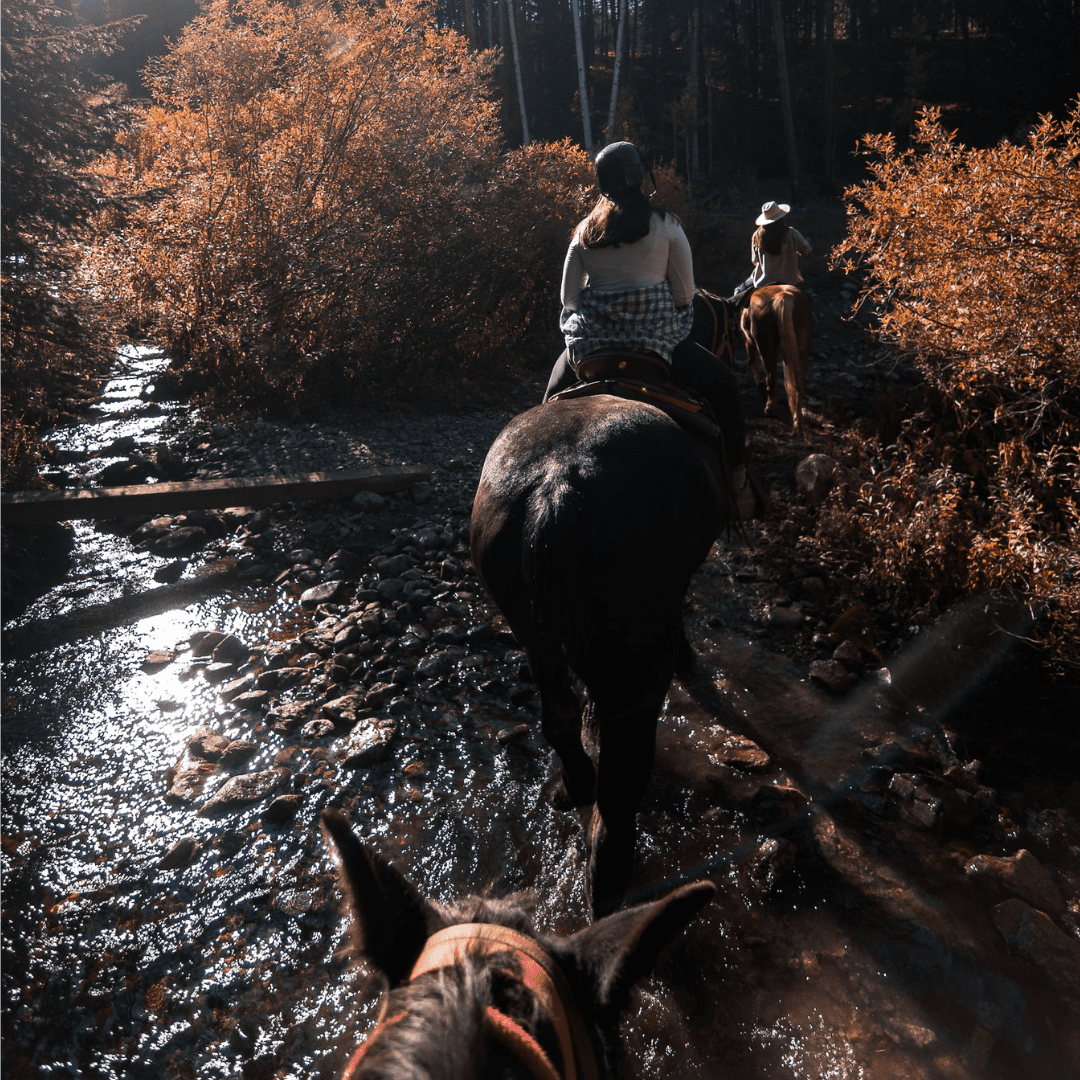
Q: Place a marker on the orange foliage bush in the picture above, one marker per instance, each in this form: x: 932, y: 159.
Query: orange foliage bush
x: 971, y: 262
x: 323, y: 214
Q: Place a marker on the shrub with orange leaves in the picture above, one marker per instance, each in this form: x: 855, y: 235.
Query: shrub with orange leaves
x: 970, y: 261
x: 320, y: 210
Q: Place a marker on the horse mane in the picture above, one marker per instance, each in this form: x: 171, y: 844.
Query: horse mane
x: 441, y: 1029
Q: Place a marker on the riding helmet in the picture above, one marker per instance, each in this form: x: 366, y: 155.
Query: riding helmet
x: 619, y: 169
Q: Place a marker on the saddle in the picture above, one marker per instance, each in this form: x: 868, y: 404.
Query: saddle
x: 641, y: 376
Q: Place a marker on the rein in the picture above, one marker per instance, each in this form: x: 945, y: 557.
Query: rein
x: 540, y: 974
x: 720, y: 318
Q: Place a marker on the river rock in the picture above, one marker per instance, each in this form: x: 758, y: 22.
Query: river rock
x: 368, y: 744
x: 288, y: 717
x: 433, y: 666
x: 238, y: 751
x: 243, y: 790
x: 369, y: 500
x: 207, y: 744
x: 813, y: 588
x: 343, y: 711
x: 230, y: 650
x: 785, y: 618
x: 181, y: 541
x: 1037, y: 938
x: 182, y: 853
x: 204, y: 642
x: 282, y: 809
x: 850, y: 654
x: 155, y: 660
x: 832, y: 675
x: 815, y: 476
x: 376, y: 695
x: 320, y: 594
x: 252, y: 699
x: 217, y: 673
x: 727, y: 748
x: 317, y: 729
x: 171, y: 572
x: 1022, y: 875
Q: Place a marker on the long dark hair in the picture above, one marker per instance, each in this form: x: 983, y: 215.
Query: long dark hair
x: 611, y: 223
x: 771, y: 236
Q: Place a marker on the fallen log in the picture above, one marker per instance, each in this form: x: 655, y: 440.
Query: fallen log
x: 29, y: 507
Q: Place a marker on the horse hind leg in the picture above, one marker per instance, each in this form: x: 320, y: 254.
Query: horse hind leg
x: 794, y: 364
x: 560, y: 721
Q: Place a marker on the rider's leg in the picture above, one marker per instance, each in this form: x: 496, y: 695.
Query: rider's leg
x: 692, y: 365
x: 562, y: 375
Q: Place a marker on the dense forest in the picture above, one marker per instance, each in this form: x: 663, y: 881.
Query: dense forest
x: 732, y: 90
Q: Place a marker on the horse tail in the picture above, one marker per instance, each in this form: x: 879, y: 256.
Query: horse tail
x: 551, y: 553
x: 794, y: 373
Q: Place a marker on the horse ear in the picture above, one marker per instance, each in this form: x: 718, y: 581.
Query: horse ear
x: 622, y: 947
x: 391, y: 918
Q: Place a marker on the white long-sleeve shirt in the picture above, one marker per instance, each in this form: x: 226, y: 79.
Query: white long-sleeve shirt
x: 663, y: 254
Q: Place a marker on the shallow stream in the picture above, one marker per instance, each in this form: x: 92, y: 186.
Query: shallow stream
x: 845, y: 942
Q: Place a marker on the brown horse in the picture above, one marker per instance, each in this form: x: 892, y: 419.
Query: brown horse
x: 475, y: 992
x: 778, y: 319
x: 591, y: 516
x: 714, y: 322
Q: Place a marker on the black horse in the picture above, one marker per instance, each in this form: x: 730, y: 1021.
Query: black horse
x: 475, y: 992
x: 715, y: 321
x: 591, y: 516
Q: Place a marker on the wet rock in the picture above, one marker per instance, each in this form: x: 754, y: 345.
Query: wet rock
x: 341, y: 561
x: 929, y: 802
x: 772, y: 863
x: 512, y: 734
x: 181, y: 541
x: 1034, y: 936
x: 217, y: 673
x: 1022, y: 875
x: 241, y: 791
x: 317, y: 729
x: 252, y: 699
x: 343, y: 711
x: 171, y: 572
x: 449, y: 635
x: 320, y: 594
x: 774, y: 803
x: 377, y: 694
x: 433, y: 666
x: 815, y: 476
x: 785, y: 618
x: 182, y: 853
x: 230, y: 650
x: 238, y: 751
x: 370, y: 625
x: 207, y: 744
x: 155, y: 660
x: 186, y: 785
x: 850, y: 654
x: 832, y: 675
x: 421, y: 493
x: 234, y: 688
x: 390, y: 566
x: 727, y: 748
x: 286, y: 718
x: 369, y: 500
x: 368, y: 744
x: 282, y: 809
x: 203, y: 642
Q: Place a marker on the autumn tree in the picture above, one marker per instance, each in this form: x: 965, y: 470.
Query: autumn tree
x: 56, y: 116
x: 970, y: 260
x: 325, y: 210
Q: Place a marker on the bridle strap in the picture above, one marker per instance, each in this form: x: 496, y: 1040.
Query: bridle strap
x: 540, y: 974
x: 521, y: 1044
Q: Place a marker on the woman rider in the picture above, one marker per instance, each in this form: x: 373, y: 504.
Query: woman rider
x: 775, y: 250
x: 628, y: 282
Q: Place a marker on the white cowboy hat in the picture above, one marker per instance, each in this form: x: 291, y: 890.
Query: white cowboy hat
x: 772, y: 211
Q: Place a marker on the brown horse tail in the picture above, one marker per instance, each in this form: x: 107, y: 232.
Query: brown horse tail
x: 794, y: 376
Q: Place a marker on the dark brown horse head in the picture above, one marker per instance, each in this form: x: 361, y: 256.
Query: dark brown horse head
x: 474, y: 992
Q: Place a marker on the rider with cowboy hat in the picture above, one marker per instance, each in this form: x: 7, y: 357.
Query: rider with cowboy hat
x: 775, y: 250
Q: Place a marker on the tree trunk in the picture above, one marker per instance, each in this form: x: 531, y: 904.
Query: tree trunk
x: 785, y: 100
x: 830, y: 104
x: 583, y: 86
x: 619, y: 37
x: 517, y: 74
x: 470, y: 24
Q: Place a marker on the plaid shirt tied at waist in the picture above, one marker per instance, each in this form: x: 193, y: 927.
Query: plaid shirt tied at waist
x: 639, y: 319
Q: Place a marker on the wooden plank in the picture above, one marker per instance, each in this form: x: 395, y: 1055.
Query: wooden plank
x: 26, y: 507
